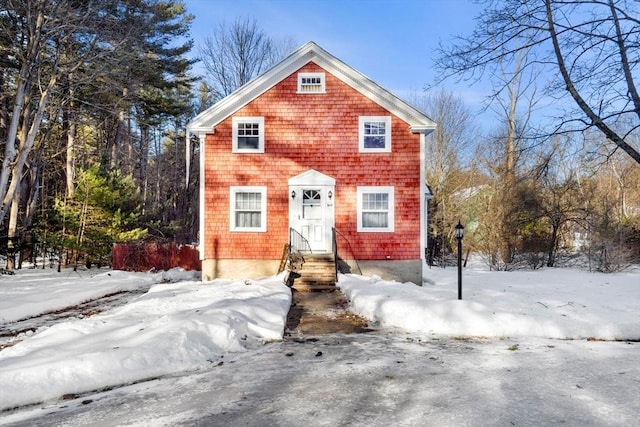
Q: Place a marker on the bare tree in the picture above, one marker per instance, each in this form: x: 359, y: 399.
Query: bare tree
x: 444, y: 170
x: 588, y: 48
x: 515, y: 100
x: 236, y: 53
x: 561, y: 199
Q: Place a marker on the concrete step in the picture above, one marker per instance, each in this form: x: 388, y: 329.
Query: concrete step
x: 316, y: 278
x: 305, y: 287
x: 325, y: 274
x: 317, y: 273
x: 318, y: 270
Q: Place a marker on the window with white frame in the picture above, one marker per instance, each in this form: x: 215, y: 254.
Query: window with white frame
x: 311, y: 83
x: 375, y: 209
x: 248, y: 208
x: 375, y: 134
x: 248, y: 134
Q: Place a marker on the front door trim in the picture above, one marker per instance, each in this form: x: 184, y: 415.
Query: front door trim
x: 318, y: 230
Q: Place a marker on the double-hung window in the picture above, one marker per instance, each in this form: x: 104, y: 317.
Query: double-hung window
x: 375, y: 134
x: 248, y: 134
x: 248, y: 208
x: 375, y: 209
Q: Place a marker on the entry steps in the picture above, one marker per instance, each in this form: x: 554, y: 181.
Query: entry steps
x: 317, y: 272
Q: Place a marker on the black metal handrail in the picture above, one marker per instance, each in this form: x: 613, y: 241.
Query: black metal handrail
x: 334, y: 246
x: 337, y: 233
x: 298, y: 243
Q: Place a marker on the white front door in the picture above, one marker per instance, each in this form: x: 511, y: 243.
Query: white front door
x: 311, y: 211
x: 312, y: 218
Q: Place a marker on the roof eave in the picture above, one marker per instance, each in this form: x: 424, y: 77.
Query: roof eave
x: 425, y: 129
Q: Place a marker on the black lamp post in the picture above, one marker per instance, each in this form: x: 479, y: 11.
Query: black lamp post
x: 459, y: 236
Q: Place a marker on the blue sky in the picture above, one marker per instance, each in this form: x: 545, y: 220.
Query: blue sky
x: 393, y: 42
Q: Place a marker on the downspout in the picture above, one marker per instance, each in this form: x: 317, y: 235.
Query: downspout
x: 201, y: 235
x: 423, y: 206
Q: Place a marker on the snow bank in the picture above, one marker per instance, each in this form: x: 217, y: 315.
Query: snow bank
x: 22, y: 294
x: 172, y: 328
x: 551, y: 303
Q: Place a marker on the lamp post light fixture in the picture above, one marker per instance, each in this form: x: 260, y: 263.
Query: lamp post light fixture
x: 459, y: 237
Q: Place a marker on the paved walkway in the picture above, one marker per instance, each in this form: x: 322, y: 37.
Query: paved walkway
x: 320, y: 313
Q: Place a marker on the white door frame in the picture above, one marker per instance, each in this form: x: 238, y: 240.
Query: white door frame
x: 319, y: 228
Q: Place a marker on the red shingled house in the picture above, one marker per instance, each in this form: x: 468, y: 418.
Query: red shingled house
x: 314, y: 154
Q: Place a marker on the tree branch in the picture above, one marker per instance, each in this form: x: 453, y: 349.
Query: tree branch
x: 595, y: 119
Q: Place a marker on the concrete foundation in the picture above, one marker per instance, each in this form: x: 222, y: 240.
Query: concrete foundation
x: 238, y: 268
x: 400, y: 271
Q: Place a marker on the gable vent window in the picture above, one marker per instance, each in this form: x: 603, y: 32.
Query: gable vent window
x: 311, y: 83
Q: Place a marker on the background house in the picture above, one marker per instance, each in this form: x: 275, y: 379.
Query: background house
x: 309, y: 147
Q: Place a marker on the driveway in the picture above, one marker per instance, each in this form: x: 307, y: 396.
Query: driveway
x: 322, y: 375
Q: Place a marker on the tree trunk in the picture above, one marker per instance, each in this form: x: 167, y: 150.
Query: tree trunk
x: 13, y: 242
x: 4, y: 98
x: 553, y: 244
x: 70, y: 130
x: 35, y: 176
x: 29, y: 131
x: 143, y: 162
x: 120, y: 130
x: 14, y: 159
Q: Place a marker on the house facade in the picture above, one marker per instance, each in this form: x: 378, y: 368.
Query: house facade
x: 314, y: 154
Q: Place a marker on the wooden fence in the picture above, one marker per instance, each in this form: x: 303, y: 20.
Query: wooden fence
x: 154, y: 256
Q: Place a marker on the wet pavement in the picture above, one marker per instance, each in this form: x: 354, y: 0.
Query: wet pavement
x: 14, y: 332
x: 320, y: 313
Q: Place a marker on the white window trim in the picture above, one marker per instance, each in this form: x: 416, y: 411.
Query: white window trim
x: 391, y: 192
x: 322, y: 83
x: 237, y: 120
x: 366, y: 119
x: 233, y: 190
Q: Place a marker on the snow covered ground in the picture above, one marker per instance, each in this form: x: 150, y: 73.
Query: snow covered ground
x: 521, y: 348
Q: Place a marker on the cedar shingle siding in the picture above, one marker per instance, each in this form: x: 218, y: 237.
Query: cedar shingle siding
x: 311, y: 131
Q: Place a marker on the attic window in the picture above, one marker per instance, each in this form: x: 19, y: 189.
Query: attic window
x: 311, y: 83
